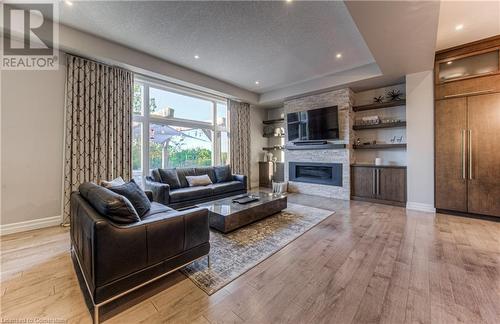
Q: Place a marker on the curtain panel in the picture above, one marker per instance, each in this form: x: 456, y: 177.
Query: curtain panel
x: 239, y: 124
x: 98, y: 124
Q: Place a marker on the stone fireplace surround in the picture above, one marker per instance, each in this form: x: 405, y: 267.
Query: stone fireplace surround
x: 344, y: 99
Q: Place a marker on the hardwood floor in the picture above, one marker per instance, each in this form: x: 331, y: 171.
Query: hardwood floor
x: 366, y: 263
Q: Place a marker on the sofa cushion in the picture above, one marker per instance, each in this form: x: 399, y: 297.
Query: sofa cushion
x: 156, y: 208
x: 190, y: 193
x: 169, y: 176
x: 201, y: 180
x: 109, y: 204
x: 182, y: 173
x: 155, y: 174
x: 135, y: 195
x: 208, y: 171
x: 221, y: 188
x: 223, y: 173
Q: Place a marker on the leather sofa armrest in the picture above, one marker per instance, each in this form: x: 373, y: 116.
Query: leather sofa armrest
x: 103, y: 247
x: 196, y: 226
x: 160, y: 191
x: 241, y: 178
x: 149, y: 194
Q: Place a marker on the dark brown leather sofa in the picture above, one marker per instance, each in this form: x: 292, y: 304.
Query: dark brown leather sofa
x: 115, y: 259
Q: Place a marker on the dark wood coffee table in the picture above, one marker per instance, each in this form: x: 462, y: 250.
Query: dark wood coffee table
x: 226, y: 216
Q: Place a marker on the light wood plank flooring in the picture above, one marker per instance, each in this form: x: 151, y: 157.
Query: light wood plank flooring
x: 366, y: 263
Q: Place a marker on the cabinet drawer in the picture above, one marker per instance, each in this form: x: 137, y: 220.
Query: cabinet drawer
x: 468, y: 87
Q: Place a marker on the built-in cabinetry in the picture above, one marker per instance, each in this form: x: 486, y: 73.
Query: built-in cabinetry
x: 467, y: 130
x: 269, y: 172
x: 382, y: 184
x: 382, y: 137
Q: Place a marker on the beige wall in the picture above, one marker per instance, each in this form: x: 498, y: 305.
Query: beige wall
x: 420, y: 134
x: 32, y: 145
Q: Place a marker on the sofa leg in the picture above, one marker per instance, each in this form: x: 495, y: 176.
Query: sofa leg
x: 208, y: 260
x: 96, y: 314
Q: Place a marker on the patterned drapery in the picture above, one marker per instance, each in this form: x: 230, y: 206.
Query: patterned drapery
x: 98, y: 124
x: 239, y: 116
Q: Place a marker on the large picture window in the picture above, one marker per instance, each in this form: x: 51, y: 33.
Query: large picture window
x: 177, y: 128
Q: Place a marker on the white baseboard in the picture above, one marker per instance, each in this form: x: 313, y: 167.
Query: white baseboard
x: 30, y: 225
x: 420, y: 207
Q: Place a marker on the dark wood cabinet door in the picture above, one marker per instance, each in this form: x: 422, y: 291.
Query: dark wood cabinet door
x: 484, y: 155
x: 265, y: 174
x: 363, y: 182
x: 391, y: 184
x: 450, y: 152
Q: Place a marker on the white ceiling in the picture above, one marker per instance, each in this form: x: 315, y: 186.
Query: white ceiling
x: 289, y: 47
x: 480, y: 19
x: 274, y: 42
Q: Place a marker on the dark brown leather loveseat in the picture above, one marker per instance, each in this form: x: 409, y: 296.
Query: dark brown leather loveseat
x: 117, y: 258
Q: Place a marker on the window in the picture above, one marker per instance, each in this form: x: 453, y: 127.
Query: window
x: 176, y: 128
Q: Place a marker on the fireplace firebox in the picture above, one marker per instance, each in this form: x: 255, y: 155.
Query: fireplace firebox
x: 320, y: 173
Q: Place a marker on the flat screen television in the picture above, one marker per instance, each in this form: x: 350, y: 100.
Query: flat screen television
x: 313, y: 125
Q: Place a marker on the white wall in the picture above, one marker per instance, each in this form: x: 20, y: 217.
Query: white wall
x: 257, y: 142
x: 420, y: 134
x: 32, y: 147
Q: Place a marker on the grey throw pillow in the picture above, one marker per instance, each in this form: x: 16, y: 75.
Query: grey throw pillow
x: 169, y: 176
x: 109, y: 204
x: 201, y: 180
x: 223, y: 173
x: 135, y: 195
x: 208, y: 171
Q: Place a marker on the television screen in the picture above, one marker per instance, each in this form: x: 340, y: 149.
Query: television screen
x: 311, y: 125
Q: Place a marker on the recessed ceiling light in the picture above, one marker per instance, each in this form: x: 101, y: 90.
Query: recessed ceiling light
x: 339, y: 55
x: 449, y: 62
x: 196, y: 57
x: 257, y: 82
x: 459, y: 27
x: 288, y: 1
x: 69, y: 3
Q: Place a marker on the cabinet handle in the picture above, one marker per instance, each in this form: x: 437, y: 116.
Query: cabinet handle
x: 464, y: 176
x: 374, y: 186
x: 469, y: 93
x: 378, y: 181
x: 470, y: 155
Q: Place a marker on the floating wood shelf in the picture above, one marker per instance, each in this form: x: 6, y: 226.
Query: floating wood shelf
x: 273, y: 121
x: 381, y: 125
x: 395, y: 103
x: 272, y: 135
x: 378, y: 146
x: 272, y: 148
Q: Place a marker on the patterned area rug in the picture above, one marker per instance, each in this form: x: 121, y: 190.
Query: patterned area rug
x: 231, y: 255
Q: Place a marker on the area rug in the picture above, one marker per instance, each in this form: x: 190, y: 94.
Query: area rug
x: 233, y: 254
